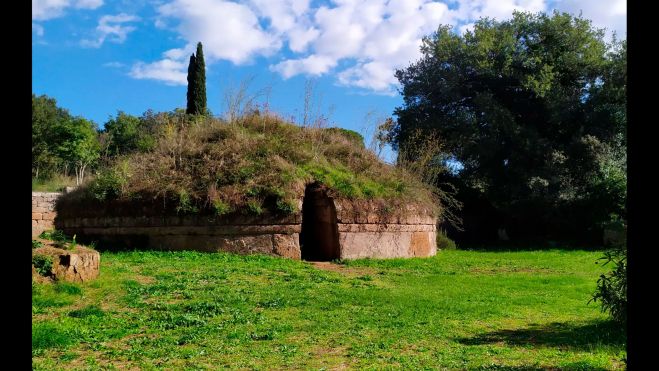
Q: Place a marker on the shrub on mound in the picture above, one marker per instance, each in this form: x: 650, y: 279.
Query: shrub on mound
x: 259, y: 163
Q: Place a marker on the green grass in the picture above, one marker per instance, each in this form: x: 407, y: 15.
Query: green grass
x: 458, y: 310
x: 56, y: 183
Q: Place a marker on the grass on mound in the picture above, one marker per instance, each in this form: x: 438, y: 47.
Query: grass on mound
x: 258, y: 163
x: 458, y: 310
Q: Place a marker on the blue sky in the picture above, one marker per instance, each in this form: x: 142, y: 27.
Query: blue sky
x: 100, y: 56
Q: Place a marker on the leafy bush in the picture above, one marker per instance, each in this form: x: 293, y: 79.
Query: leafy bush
x: 59, y: 238
x: 286, y: 206
x: 43, y: 264
x: 36, y: 244
x: 612, y: 287
x: 54, y: 235
x: 443, y: 242
x: 254, y: 207
x: 110, y: 182
x: 221, y: 207
x: 185, y: 204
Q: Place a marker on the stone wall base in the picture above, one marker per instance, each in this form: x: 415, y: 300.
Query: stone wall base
x: 356, y: 245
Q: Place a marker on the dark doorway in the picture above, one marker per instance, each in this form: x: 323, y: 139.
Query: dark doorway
x: 319, y: 239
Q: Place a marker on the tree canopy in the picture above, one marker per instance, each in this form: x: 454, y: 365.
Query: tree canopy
x: 534, y: 109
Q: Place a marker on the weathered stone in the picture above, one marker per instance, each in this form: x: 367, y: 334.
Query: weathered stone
x: 374, y: 244
x: 37, y: 216
x: 287, y: 245
x: 421, y: 244
x: 48, y: 215
x: 78, y: 265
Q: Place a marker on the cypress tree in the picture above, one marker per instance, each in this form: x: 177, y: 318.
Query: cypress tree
x: 200, y: 82
x: 192, y: 96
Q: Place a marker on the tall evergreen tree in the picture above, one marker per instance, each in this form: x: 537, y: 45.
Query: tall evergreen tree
x: 200, y: 82
x: 191, y: 86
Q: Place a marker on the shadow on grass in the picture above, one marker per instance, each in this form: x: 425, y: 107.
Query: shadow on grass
x: 494, y: 247
x: 561, y: 335
x: 572, y: 366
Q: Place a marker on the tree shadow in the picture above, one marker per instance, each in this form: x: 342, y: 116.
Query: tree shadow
x: 571, y: 366
x: 579, y: 336
x: 525, y: 247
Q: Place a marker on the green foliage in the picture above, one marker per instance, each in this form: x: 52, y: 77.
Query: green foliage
x: 71, y: 245
x: 612, y: 287
x: 444, y: 242
x: 53, y: 235
x: 196, y: 95
x: 200, y: 82
x: 60, y: 239
x: 534, y: 109
x: 78, y: 144
x: 46, y: 116
x: 221, y: 207
x: 191, y: 93
x: 43, y: 264
x: 286, y: 206
x: 36, y: 244
x: 123, y: 134
x: 255, y: 207
x: 185, y: 204
x: 110, y: 182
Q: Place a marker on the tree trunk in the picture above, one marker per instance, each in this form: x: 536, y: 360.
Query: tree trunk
x: 82, y: 173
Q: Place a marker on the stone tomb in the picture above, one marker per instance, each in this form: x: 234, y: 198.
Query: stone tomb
x: 323, y: 228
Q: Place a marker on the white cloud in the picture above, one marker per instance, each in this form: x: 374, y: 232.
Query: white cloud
x: 169, y: 71
x: 228, y: 30
x: 609, y: 14
x: 48, y: 9
x: 88, y: 4
x: 111, y: 27
x: 362, y: 42
x: 312, y: 65
x: 374, y: 76
x: 499, y: 9
x: 377, y: 36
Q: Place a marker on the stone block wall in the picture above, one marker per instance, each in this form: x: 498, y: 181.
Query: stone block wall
x: 43, y: 211
x: 370, y: 230
x: 365, y: 229
x: 267, y: 235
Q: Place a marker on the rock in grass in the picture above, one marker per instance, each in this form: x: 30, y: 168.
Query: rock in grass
x: 79, y: 264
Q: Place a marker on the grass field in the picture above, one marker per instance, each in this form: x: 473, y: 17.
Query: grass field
x: 457, y: 310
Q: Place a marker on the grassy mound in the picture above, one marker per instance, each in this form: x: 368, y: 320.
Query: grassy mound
x: 259, y: 163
